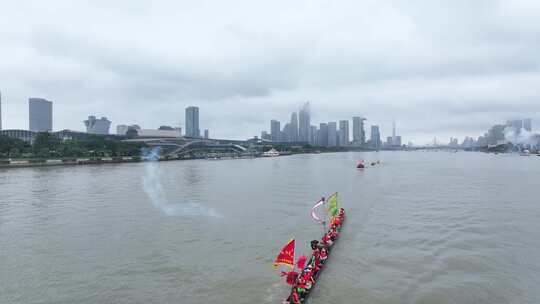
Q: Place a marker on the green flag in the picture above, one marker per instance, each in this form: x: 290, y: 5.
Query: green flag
x: 332, y: 205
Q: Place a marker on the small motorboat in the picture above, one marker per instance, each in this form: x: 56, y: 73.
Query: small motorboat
x: 271, y: 153
x: 360, y: 165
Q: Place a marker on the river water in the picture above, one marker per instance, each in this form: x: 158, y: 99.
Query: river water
x: 423, y: 227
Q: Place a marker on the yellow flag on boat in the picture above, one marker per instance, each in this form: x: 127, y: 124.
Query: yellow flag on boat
x: 332, y: 205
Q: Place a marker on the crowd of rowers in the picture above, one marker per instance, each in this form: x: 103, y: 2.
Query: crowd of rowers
x: 304, y: 281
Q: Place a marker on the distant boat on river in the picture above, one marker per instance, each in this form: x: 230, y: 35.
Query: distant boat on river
x: 271, y: 153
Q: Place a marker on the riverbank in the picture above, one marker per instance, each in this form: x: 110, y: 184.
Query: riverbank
x: 26, y: 163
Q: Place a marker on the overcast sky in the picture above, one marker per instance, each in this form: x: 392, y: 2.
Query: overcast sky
x: 440, y: 68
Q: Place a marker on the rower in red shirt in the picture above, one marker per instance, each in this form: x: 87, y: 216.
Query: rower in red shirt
x: 327, y: 240
x: 341, y: 214
x: 336, y: 221
x: 333, y: 233
x: 307, y: 279
x: 301, y: 286
x: 316, y: 265
x: 316, y: 253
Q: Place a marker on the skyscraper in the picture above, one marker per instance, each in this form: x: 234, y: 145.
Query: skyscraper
x: 375, y: 138
x: 192, y: 122
x: 527, y: 124
x: 304, y: 127
x: 313, y: 135
x: 394, y: 139
x: 206, y: 134
x: 343, y: 133
x: 323, y: 135
x: 97, y: 126
x: 332, y: 134
x: 359, y: 135
x: 285, y: 135
x: 275, y: 130
x: 40, y: 115
x: 294, y: 128
x: 516, y: 124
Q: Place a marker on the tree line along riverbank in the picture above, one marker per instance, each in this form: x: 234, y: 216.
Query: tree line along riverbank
x: 47, y: 146
x: 49, y: 150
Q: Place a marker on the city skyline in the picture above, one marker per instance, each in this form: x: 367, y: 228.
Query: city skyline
x: 311, y: 131
x: 342, y: 127
x: 465, y: 76
x: 526, y: 124
x: 517, y: 131
x: 323, y: 135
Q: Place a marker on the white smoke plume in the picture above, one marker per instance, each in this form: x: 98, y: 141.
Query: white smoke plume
x: 520, y: 136
x: 154, y: 189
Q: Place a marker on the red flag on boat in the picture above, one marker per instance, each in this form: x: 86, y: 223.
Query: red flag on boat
x: 286, y: 256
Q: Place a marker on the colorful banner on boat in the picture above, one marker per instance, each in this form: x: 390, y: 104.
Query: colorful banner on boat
x: 314, y: 215
x: 286, y: 256
x: 333, y: 205
x: 301, y: 262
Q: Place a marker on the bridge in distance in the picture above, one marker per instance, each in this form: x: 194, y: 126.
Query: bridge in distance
x: 177, y: 147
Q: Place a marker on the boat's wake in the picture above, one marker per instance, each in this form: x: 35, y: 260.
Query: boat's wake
x: 153, y: 188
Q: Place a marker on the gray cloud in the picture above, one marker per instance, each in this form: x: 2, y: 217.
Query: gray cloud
x: 440, y: 68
